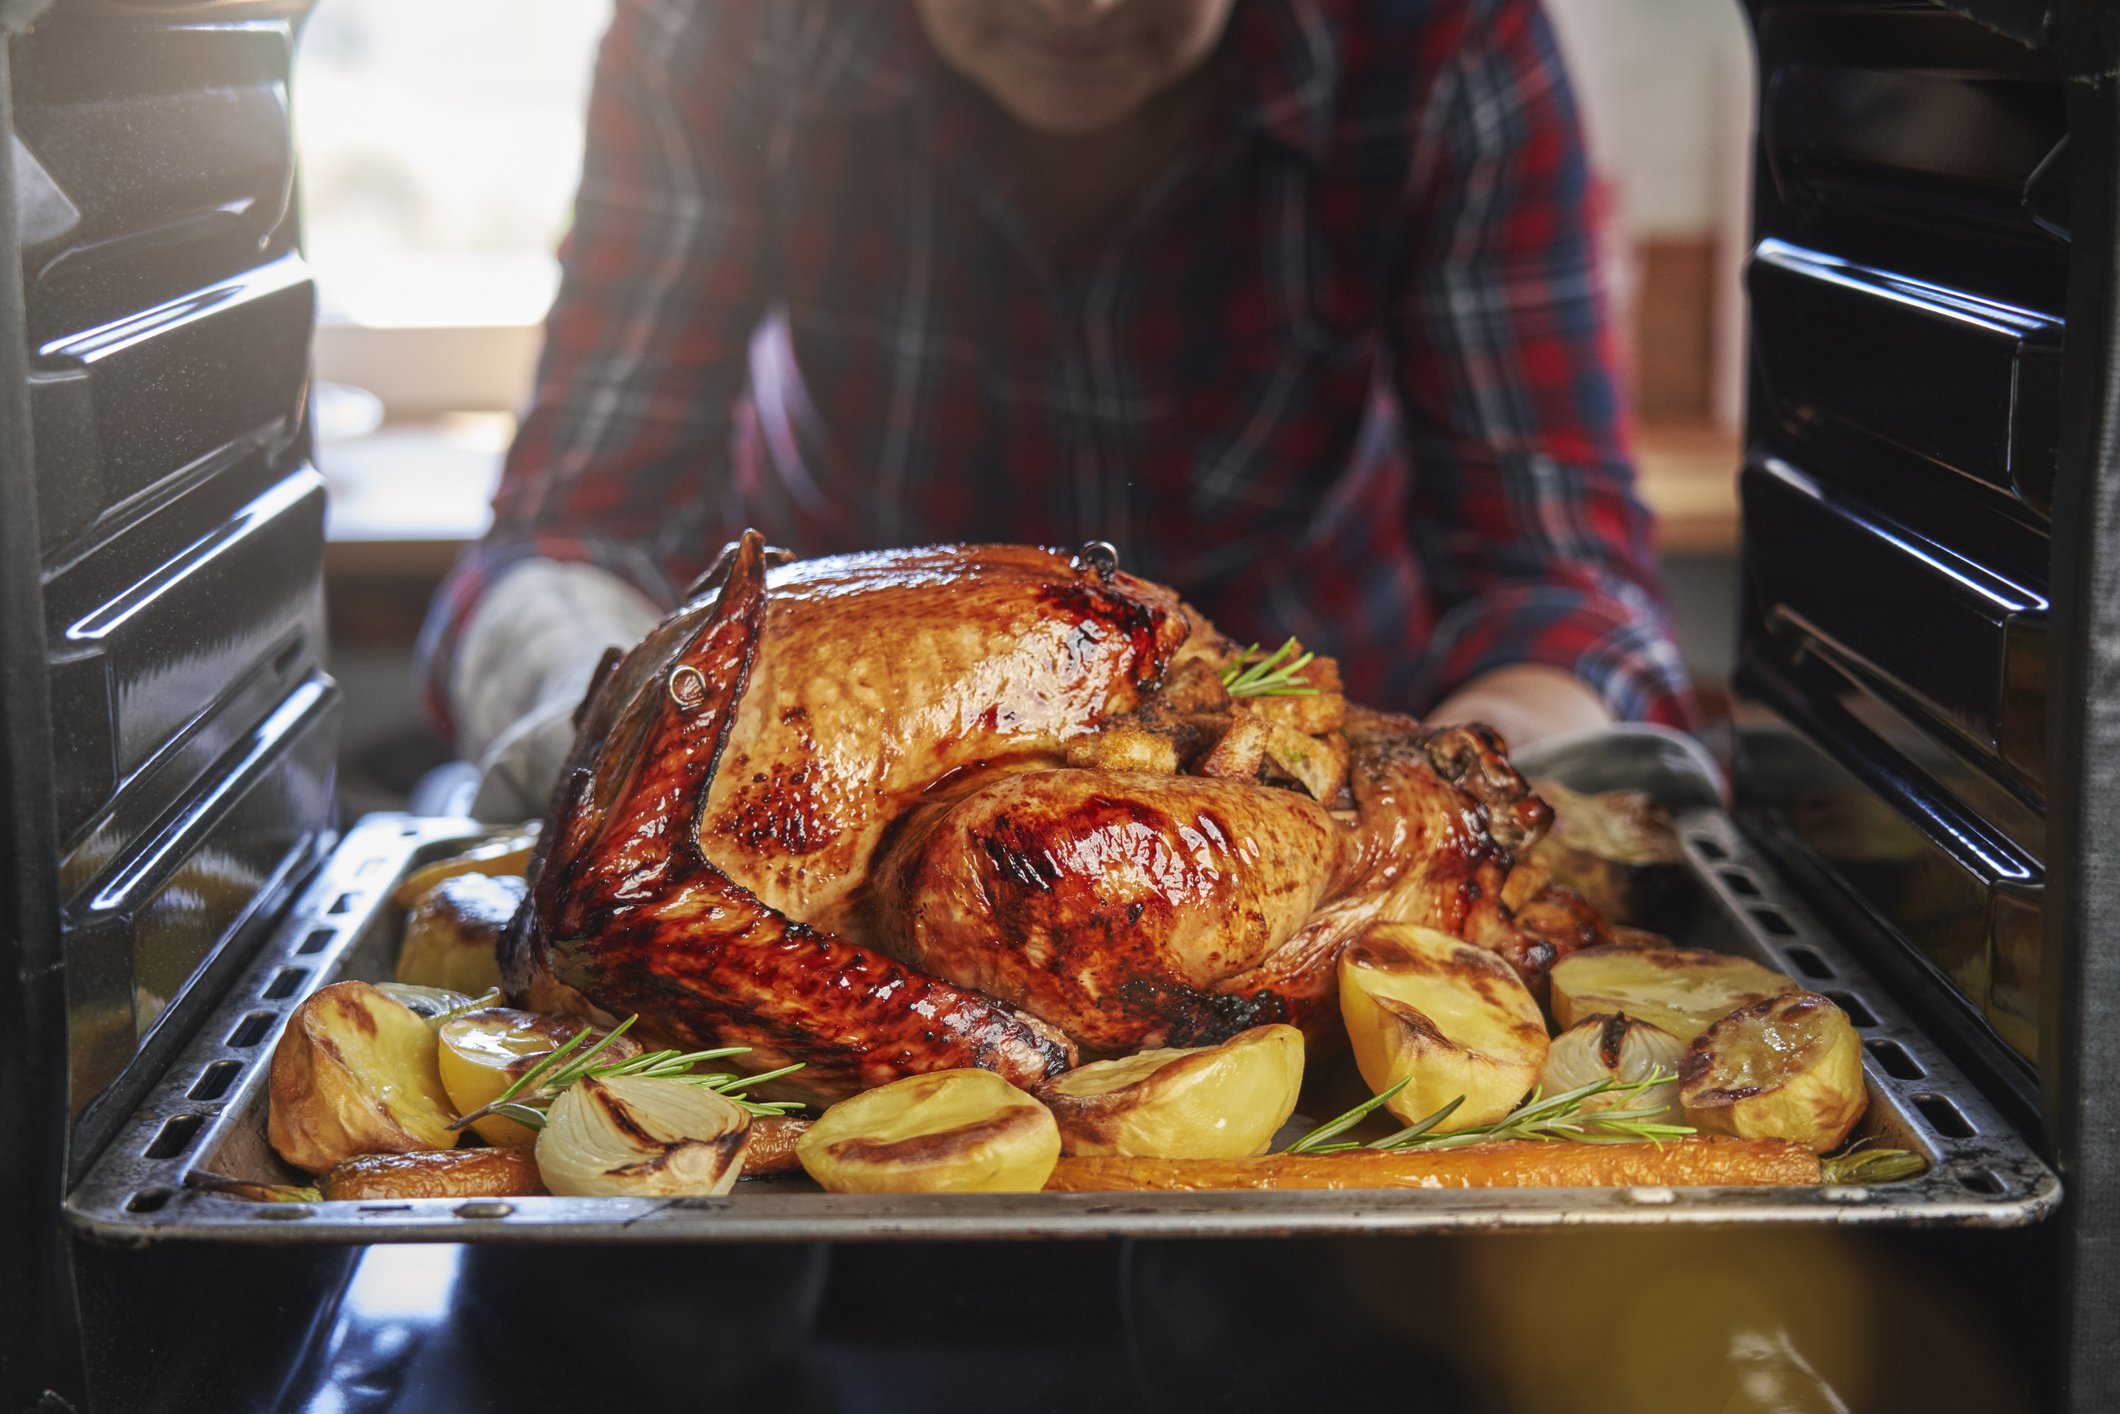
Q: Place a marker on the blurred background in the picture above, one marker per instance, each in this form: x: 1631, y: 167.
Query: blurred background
x: 440, y: 147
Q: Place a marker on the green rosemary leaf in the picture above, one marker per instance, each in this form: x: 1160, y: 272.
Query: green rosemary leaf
x: 1871, y: 1166
x: 252, y: 1192
x: 584, y: 1064
x: 1309, y: 1143
x: 525, y: 1101
x: 533, y: 1076
x: 521, y: 1114
x: 1268, y: 678
x: 690, y: 1058
x: 1557, y: 1119
x: 742, y: 1081
x: 1412, y: 1132
x: 490, y: 997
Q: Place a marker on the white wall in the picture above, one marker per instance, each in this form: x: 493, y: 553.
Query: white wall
x: 1666, y: 93
x: 1657, y: 81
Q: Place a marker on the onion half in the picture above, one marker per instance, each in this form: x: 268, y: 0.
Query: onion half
x: 637, y: 1136
x: 1622, y: 1048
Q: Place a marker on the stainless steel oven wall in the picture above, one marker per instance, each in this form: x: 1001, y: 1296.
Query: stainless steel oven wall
x: 1929, y: 677
x: 180, y: 527
x: 180, y: 779
x: 1908, y: 285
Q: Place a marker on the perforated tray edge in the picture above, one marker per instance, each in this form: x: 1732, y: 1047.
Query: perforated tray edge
x: 135, y: 1194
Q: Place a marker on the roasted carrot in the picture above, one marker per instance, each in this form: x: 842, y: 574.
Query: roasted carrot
x: 1505, y: 1164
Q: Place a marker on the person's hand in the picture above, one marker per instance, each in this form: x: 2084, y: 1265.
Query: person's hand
x: 1525, y: 702
x: 517, y: 772
x: 523, y: 663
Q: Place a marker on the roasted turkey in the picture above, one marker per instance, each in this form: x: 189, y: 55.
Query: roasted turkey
x: 994, y: 806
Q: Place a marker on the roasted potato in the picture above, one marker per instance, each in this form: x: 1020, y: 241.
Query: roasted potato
x: 450, y: 936
x: 1124, y: 748
x: 484, y: 1052
x: 1454, y: 1017
x: 1318, y: 763
x: 1312, y: 713
x: 1215, y: 1102
x: 1615, y: 848
x: 951, y: 1131
x: 503, y: 855
x: 640, y: 1136
x: 355, y: 1073
x: 1242, y: 749
x: 1787, y: 1067
x: 1682, y: 990
x: 441, y: 1173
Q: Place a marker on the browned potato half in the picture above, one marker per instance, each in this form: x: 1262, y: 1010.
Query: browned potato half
x: 450, y: 936
x: 950, y: 1131
x: 442, y: 1173
x: 1124, y: 749
x: 507, y: 854
x: 1682, y: 990
x: 484, y: 1052
x: 1318, y: 763
x: 1788, y: 1067
x: 1242, y: 749
x: 1450, y: 1018
x: 1215, y: 1102
x: 355, y: 1073
x: 1312, y: 713
x: 1615, y: 848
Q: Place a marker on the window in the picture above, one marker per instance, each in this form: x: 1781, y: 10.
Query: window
x: 440, y: 145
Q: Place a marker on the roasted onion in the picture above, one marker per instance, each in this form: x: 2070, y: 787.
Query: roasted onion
x: 637, y: 1136
x: 1622, y: 1048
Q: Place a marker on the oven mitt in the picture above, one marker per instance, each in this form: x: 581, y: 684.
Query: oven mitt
x: 524, y: 662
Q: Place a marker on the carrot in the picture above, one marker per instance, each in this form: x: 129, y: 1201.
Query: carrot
x: 1713, y: 1160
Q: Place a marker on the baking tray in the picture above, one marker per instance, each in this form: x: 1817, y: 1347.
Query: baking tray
x: 208, y: 1112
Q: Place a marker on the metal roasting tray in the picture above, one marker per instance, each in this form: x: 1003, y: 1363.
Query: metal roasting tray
x: 208, y: 1112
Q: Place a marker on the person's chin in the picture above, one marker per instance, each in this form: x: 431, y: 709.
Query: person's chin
x: 1076, y: 107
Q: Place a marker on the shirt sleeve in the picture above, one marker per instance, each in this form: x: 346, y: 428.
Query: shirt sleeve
x: 1522, y: 508
x: 625, y: 450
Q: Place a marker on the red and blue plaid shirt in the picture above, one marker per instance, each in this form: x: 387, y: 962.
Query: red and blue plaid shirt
x: 1342, y: 373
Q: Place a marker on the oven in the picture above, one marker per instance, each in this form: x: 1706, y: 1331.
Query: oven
x: 1921, y: 816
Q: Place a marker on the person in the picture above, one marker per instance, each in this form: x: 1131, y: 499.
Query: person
x: 1294, y: 302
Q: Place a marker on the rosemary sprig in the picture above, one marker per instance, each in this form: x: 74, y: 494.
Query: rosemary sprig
x: 533, y: 1092
x: 1871, y: 1166
x: 490, y: 997
x: 1314, y: 1142
x: 1270, y: 677
x: 251, y: 1192
x: 1561, y: 1117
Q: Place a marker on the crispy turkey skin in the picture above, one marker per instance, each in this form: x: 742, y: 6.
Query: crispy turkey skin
x: 827, y: 810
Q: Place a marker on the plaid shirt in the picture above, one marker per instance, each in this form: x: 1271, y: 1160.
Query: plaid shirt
x: 1341, y: 373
